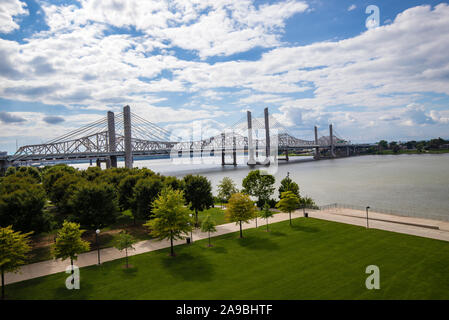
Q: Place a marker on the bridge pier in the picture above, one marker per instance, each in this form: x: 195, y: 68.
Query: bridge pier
x: 111, y: 140
x: 234, y: 151
x: 331, y: 137
x: 317, y: 149
x: 222, y: 149
x: 251, y: 160
x: 128, y: 145
x: 267, y: 137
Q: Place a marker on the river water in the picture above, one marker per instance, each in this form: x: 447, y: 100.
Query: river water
x: 415, y: 185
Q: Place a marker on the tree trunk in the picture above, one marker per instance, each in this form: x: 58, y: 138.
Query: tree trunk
x: 241, y: 234
x: 209, y: 238
x: 73, y: 271
x: 267, y: 224
x: 126, y: 252
x: 3, y: 283
x: 290, y: 215
x: 172, y: 253
x: 196, y: 218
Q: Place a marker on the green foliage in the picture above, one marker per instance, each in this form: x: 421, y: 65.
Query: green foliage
x: 259, y: 185
x: 208, y: 226
x: 307, y: 202
x: 30, y: 172
x: 288, y: 184
x: 240, y: 209
x: 173, y: 183
x: 51, y: 174
x: 126, y: 191
x: 92, y: 173
x: 198, y: 193
x: 289, y: 202
x: 145, y: 192
x: 21, y: 204
x: 124, y: 241
x: 69, y: 243
x: 94, y: 205
x: 266, y: 213
x: 171, y: 218
x: 62, y: 189
x: 226, y: 189
x: 14, y: 247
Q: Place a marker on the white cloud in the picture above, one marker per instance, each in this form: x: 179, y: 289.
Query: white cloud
x: 9, y: 10
x: 352, y: 7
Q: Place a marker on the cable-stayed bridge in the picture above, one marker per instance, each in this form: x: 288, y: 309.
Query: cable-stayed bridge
x: 127, y: 135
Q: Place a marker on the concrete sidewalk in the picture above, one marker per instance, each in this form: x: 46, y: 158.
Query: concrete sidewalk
x: 417, y: 227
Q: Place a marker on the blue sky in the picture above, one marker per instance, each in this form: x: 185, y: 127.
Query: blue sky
x: 177, y: 63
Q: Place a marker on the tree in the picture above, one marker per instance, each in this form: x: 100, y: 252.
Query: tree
x: 383, y: 145
x: 171, y: 217
x: 226, y: 188
x: 62, y: 189
x: 288, y: 184
x: 259, y: 185
x: 126, y: 191
x: 208, y: 225
x: 145, y: 192
x: 94, y: 205
x: 240, y: 209
x: 266, y: 213
x: 289, y: 202
x: 125, y: 241
x: 14, y: 247
x: 69, y: 243
x: 21, y: 204
x: 198, y: 193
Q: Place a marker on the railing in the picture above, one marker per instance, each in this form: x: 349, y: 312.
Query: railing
x: 396, y: 212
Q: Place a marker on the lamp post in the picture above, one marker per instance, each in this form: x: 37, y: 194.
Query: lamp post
x: 367, y: 225
x: 191, y: 230
x: 97, y: 232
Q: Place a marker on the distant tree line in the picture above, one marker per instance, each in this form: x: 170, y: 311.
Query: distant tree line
x: 419, y: 146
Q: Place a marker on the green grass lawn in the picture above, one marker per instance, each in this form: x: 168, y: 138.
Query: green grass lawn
x: 313, y: 259
x: 217, y: 214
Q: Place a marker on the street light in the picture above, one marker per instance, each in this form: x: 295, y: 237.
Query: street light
x: 191, y: 230
x: 97, y: 232
x: 367, y: 226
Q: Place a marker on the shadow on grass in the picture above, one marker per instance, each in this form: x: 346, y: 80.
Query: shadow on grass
x: 129, y: 272
x: 258, y: 243
x: 277, y: 233
x: 77, y: 294
x: 219, y: 250
x: 304, y: 228
x: 189, y: 267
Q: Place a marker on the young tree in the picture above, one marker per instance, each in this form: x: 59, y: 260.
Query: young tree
x: 94, y: 205
x: 208, y: 225
x: 259, y: 185
x: 226, y: 188
x: 288, y: 184
x: 289, y: 202
x: 240, y: 209
x: 171, y: 218
x: 125, y: 241
x: 14, y: 247
x: 69, y: 243
x: 198, y: 193
x: 266, y: 213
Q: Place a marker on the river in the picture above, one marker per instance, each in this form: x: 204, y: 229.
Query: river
x: 417, y: 185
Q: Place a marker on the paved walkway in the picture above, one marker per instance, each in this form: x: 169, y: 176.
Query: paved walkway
x: 418, y: 227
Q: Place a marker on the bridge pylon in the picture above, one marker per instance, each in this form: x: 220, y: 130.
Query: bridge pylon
x: 251, y: 160
x: 111, y: 140
x: 127, y: 132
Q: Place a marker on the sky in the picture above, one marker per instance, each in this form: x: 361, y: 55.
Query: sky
x: 179, y: 64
